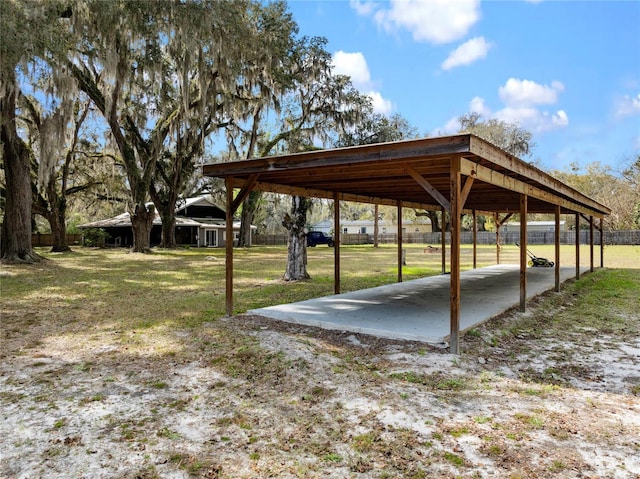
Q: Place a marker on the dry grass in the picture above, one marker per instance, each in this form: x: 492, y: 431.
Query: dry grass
x: 118, y: 365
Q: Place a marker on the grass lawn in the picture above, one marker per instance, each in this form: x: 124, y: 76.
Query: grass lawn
x: 122, y: 365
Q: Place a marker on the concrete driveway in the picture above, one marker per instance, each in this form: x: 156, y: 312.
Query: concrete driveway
x: 418, y: 310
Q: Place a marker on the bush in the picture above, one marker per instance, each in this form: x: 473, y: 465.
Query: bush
x: 95, y: 237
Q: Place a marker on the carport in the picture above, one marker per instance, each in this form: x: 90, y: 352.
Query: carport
x: 460, y: 174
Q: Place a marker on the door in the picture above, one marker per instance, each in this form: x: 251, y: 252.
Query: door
x: 211, y: 238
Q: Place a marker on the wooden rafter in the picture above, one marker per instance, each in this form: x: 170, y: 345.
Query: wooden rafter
x: 429, y: 188
x: 244, y: 192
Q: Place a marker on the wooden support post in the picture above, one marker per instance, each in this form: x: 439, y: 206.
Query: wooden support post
x: 497, y: 222
x: 577, y: 245
x: 475, y: 239
x: 556, y: 238
x: 591, y: 243
x: 229, y: 246
x: 601, y: 242
x: 400, y: 242
x: 523, y: 252
x: 443, y: 240
x: 376, y: 225
x: 454, y: 303
x: 336, y: 246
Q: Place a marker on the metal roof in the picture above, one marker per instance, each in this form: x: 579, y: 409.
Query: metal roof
x: 417, y: 173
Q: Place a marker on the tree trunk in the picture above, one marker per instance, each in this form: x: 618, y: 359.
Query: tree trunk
x: 166, y: 206
x: 297, y: 245
x: 57, y: 221
x: 168, y: 228
x: 141, y: 223
x: 435, y: 221
x: 249, y: 207
x: 57, y: 217
x: 16, y: 234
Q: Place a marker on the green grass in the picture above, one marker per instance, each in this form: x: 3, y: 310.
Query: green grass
x: 133, y: 295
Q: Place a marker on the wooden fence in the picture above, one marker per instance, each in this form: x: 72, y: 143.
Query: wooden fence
x: 46, y: 239
x: 629, y: 237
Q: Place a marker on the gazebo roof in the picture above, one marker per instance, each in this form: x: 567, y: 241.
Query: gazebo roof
x: 416, y: 173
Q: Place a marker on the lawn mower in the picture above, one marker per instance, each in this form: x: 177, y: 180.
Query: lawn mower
x: 537, y: 262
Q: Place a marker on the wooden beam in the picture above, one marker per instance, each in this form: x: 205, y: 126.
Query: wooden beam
x: 336, y: 246
x: 601, y: 243
x: 464, y: 194
x: 229, y: 248
x: 523, y: 253
x: 400, y: 259
x: 435, y: 194
x: 591, y: 243
x: 475, y: 238
x: 443, y: 240
x: 244, y: 192
x: 454, y: 296
x: 329, y: 194
x: 556, y: 241
x: 487, y: 175
x: 376, y: 224
x: 577, y: 246
x: 486, y: 150
x: 411, y: 149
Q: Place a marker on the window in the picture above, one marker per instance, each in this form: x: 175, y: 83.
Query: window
x: 345, y: 230
x: 363, y: 230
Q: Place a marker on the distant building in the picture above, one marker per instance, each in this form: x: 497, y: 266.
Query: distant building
x: 533, y: 227
x: 199, y: 222
x: 366, y: 227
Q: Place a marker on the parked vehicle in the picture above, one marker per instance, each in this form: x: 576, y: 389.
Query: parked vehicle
x: 318, y: 237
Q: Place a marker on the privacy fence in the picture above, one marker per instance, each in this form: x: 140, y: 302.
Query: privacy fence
x: 46, y: 239
x: 466, y: 237
x: 628, y: 237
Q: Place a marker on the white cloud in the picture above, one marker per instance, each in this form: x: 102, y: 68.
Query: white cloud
x: 380, y: 104
x: 362, y: 8
x: 518, y: 92
x: 467, y: 53
x: 434, y: 21
x: 355, y: 66
x: 533, y: 119
x: 522, y: 100
x: 627, y: 106
x: 477, y: 105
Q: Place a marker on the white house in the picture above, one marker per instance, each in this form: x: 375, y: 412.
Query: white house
x: 367, y: 227
x: 533, y: 227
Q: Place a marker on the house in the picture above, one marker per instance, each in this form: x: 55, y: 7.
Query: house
x: 533, y: 227
x: 199, y: 222
x: 367, y: 226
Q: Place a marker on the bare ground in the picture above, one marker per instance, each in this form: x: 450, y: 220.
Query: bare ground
x: 248, y: 397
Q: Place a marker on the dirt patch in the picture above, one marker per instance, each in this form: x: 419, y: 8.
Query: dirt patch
x: 249, y: 397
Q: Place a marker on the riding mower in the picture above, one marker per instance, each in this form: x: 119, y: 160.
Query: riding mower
x: 537, y: 262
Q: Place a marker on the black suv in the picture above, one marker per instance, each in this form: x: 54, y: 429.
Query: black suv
x: 318, y: 237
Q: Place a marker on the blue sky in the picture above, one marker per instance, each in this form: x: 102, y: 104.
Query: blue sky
x: 568, y: 72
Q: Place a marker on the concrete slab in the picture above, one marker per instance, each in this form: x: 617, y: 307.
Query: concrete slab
x: 419, y: 310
